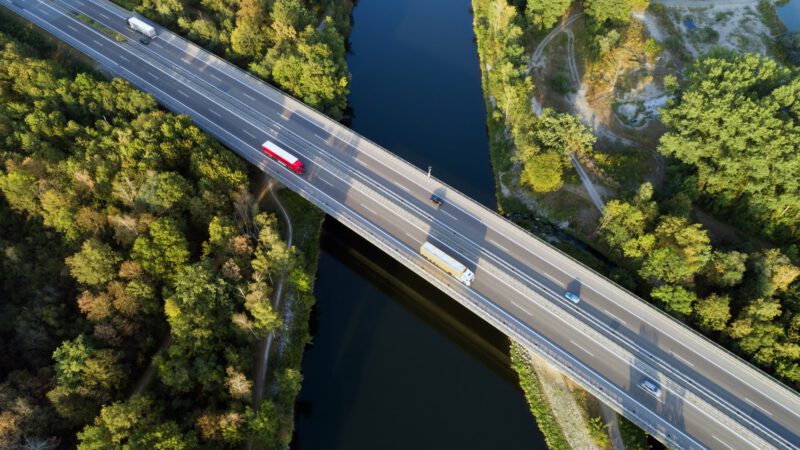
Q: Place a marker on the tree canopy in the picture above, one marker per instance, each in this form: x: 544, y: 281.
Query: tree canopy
x: 543, y: 14
x: 736, y: 124
x: 126, y: 232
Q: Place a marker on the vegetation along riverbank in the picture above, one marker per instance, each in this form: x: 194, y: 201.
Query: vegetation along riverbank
x: 598, y: 115
x: 131, y: 240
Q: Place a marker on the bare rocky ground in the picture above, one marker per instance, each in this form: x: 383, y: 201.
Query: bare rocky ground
x: 558, y: 392
x: 623, y: 111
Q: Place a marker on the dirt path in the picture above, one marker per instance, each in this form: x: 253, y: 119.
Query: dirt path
x: 536, y: 61
x: 587, y: 183
x: 536, y: 58
x: 147, y: 376
x: 266, y: 344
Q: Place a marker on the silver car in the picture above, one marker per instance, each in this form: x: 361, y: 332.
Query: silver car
x: 651, y: 387
x: 571, y: 296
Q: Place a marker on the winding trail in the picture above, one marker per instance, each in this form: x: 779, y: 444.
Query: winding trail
x: 536, y: 58
x: 536, y: 61
x: 589, y: 117
x: 266, y: 344
x: 147, y: 376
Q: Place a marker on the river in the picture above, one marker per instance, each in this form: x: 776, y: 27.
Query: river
x: 790, y: 14
x: 395, y: 364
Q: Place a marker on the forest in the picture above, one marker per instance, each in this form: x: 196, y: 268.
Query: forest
x: 299, y: 45
x: 734, y: 134
x: 131, y: 246
x: 732, y: 147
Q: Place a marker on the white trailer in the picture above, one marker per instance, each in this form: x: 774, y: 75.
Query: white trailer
x: 142, y: 27
x: 447, y: 263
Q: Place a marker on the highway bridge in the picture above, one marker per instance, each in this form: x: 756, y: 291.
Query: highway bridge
x: 610, y: 342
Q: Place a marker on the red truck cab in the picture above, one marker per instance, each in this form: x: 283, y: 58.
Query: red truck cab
x: 283, y: 157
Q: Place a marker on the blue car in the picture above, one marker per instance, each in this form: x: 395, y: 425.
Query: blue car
x: 572, y: 297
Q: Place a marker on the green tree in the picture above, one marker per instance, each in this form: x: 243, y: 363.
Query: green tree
x: 288, y: 18
x: 133, y: 424
x: 681, y: 250
x: 676, y: 298
x: 313, y: 70
x: 248, y: 39
x: 86, y: 370
x: 563, y: 133
x: 20, y: 190
x: 200, y: 316
x: 713, y: 312
x: 85, y: 377
x: 163, y: 251
x: 163, y: 192
x: 614, y: 10
x: 624, y: 227
x: 755, y: 330
x: 96, y: 263
x: 735, y: 124
x: 543, y: 14
x: 726, y: 268
x: 543, y: 173
x: 773, y: 272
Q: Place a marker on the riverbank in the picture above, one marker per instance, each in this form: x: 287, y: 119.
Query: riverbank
x: 392, y: 353
x: 291, y: 340
x: 560, y: 418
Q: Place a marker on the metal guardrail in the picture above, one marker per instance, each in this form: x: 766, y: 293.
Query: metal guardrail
x: 299, y: 105
x: 541, y: 346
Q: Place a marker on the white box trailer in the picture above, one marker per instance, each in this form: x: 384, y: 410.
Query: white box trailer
x: 142, y: 27
x: 447, y: 263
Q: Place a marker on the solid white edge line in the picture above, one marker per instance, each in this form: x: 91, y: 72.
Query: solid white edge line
x: 759, y: 408
x: 498, y: 245
x: 405, y: 177
x: 369, y: 209
x: 614, y: 317
x: 447, y: 213
x: 581, y: 348
x: 521, y: 308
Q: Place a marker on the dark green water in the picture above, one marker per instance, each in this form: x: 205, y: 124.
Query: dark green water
x: 395, y: 364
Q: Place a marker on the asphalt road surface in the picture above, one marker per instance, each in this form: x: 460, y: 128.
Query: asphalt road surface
x: 610, y: 342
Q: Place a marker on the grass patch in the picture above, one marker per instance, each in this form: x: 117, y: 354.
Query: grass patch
x: 539, y: 406
x: 626, y: 166
x: 307, y: 226
x: 634, y: 437
x: 674, y: 41
x: 101, y: 28
x: 598, y: 430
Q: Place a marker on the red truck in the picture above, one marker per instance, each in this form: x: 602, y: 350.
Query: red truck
x: 283, y: 157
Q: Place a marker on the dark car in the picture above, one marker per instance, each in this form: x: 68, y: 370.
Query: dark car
x: 436, y: 199
x: 144, y: 40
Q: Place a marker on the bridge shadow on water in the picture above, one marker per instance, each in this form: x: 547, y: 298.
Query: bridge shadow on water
x: 422, y: 299
x: 395, y: 363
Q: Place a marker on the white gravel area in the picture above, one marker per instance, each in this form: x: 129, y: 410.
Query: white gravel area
x: 563, y: 404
